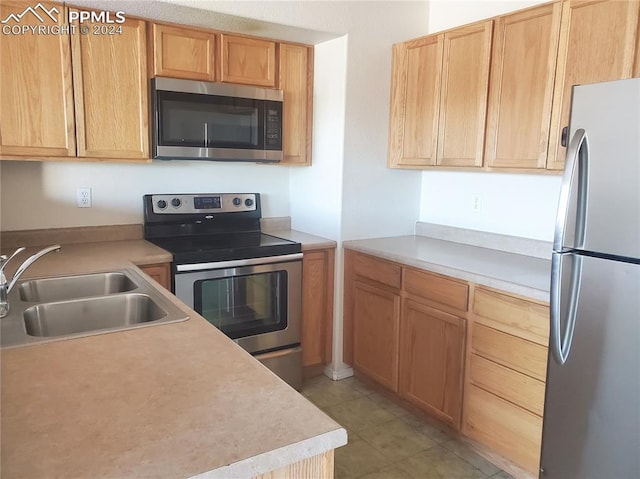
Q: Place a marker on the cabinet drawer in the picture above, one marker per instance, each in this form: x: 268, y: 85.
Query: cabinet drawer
x: 377, y: 270
x: 505, y: 428
x: 513, y: 315
x: 511, y: 385
x: 515, y: 353
x: 437, y: 288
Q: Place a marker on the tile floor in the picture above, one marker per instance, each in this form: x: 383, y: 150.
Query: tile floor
x: 388, y: 442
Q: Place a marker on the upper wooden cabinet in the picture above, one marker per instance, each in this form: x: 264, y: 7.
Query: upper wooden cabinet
x: 296, y: 82
x: 438, y: 91
x: 439, y: 97
x: 179, y: 52
x: 36, y: 117
x: 415, y: 93
x: 111, y: 93
x: 248, y: 60
x: 463, y: 95
x: 521, y: 87
x: 598, y: 41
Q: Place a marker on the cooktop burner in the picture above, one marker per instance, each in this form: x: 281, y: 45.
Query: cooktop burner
x: 209, y: 227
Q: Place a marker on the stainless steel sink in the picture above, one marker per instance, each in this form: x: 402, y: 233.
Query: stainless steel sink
x: 71, y: 287
x: 93, y: 314
x: 61, y: 308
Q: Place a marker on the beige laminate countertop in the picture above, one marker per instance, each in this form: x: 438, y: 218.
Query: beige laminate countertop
x: 524, y: 275
x: 309, y: 242
x: 172, y: 400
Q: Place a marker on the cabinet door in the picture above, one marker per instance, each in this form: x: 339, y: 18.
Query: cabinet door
x: 248, y: 60
x: 317, y: 307
x: 110, y: 86
x: 36, y: 118
x: 597, y: 43
x: 432, y: 355
x: 376, y: 318
x: 183, y: 53
x: 415, y: 100
x: 296, y: 82
x: 159, y: 272
x: 463, y: 102
x: 521, y: 87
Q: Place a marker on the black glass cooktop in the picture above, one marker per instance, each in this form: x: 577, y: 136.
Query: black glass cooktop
x: 225, y: 246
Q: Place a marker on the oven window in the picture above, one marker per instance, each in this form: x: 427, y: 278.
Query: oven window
x: 189, y: 119
x: 244, y: 305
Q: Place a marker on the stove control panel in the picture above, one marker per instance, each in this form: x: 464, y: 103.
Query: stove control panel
x: 175, y: 204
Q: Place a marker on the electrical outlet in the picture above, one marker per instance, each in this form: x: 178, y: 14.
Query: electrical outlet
x: 476, y: 203
x: 83, y: 197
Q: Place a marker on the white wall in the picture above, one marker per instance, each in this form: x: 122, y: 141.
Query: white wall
x: 512, y: 204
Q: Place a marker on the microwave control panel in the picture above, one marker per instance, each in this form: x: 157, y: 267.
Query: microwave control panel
x: 203, y: 203
x: 273, y: 128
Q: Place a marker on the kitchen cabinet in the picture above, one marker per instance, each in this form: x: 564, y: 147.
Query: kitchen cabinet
x: 506, y: 372
x: 317, y: 309
x: 159, y: 272
x: 111, y: 93
x: 250, y: 61
x: 295, y: 71
x: 36, y: 118
x: 598, y: 40
x: 521, y: 87
x: 438, y: 98
x: 181, y: 52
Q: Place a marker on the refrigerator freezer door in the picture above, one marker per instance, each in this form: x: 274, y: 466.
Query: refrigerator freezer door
x: 610, y: 115
x: 592, y: 406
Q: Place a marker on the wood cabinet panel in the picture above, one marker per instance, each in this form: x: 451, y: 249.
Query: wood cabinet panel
x: 296, y: 83
x: 111, y: 93
x: 159, y: 272
x: 508, y: 384
x: 376, y: 318
x: 521, y: 87
x: 183, y: 53
x: 415, y: 94
x: 431, y: 359
x: 247, y: 60
x: 506, y: 428
x: 444, y: 291
x: 378, y: 270
x: 515, y: 316
x: 317, y: 307
x: 37, y: 116
x: 597, y: 43
x: 510, y: 351
x: 463, y: 98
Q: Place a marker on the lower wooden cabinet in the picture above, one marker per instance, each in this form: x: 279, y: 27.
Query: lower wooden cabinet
x: 376, y: 321
x: 159, y: 272
x: 431, y: 360
x: 317, y: 308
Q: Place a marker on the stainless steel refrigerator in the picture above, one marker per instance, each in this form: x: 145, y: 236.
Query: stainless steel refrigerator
x: 592, y: 405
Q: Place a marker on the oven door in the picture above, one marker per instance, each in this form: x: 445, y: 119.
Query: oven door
x: 258, y: 305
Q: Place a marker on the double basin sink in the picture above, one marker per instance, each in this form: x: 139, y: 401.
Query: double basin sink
x: 66, y: 307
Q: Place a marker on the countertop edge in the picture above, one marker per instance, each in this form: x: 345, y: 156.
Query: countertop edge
x: 522, y: 290
x: 309, y: 242
x: 278, y: 458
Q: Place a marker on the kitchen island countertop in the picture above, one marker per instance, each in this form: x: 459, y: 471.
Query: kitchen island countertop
x: 172, y: 400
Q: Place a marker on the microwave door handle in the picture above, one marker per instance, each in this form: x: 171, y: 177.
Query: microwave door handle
x: 206, y: 134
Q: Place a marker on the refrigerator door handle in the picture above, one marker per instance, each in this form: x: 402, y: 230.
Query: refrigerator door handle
x: 559, y: 342
x: 577, y: 162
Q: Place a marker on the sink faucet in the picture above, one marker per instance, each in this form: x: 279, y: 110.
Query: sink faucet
x: 7, y: 286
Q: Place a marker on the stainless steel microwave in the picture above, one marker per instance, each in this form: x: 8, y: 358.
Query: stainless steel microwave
x: 215, y: 121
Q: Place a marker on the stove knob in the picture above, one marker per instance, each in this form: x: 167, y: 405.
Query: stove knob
x: 176, y: 202
x: 237, y: 202
x: 162, y: 204
x: 248, y: 202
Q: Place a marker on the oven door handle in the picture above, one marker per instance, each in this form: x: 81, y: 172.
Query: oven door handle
x: 182, y: 268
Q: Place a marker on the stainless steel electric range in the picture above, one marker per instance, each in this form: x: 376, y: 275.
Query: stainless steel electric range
x: 246, y: 283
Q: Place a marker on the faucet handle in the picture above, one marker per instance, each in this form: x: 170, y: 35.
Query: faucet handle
x: 4, y: 260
